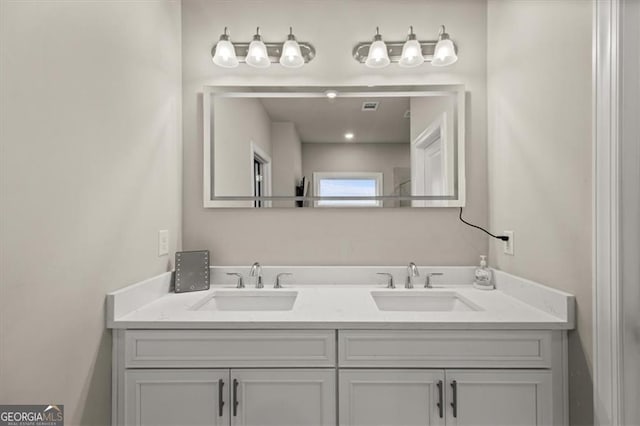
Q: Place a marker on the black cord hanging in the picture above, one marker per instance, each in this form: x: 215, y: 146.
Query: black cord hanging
x: 500, y: 237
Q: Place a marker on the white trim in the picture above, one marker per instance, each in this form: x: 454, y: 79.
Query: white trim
x: 437, y: 130
x: 606, y: 261
x: 630, y: 209
x: 318, y: 176
x: 257, y: 151
x: 461, y: 143
x: 206, y: 148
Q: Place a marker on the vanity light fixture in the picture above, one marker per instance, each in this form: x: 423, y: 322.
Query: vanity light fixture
x: 378, y: 56
x: 348, y: 136
x: 257, y: 56
x: 225, y: 53
x: 445, y: 50
x: 291, y: 55
x: 260, y: 54
x: 408, y: 53
x: 411, y: 52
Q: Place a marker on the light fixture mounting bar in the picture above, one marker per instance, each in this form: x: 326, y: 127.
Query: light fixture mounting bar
x: 394, y: 48
x: 274, y: 51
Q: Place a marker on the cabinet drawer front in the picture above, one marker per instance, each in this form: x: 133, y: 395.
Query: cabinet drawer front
x: 229, y: 348
x: 444, y: 349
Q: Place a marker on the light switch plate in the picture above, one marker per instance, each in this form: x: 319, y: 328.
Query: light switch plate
x: 508, y: 245
x: 163, y: 242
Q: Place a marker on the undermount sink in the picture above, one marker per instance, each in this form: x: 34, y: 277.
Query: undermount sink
x: 248, y: 300
x: 438, y: 301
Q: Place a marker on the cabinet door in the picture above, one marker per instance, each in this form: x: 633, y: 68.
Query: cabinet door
x: 499, y: 398
x: 284, y: 397
x: 391, y: 397
x: 176, y: 397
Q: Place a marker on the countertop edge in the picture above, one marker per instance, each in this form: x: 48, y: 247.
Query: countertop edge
x: 291, y: 325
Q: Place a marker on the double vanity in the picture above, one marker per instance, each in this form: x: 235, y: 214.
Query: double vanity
x: 338, y: 345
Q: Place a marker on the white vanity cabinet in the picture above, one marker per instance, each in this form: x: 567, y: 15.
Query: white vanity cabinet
x: 214, y: 397
x: 451, y: 377
x: 445, y: 397
x: 346, y: 377
x: 224, y: 377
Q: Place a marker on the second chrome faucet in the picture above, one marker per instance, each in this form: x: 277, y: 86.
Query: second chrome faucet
x: 256, y: 273
x: 412, y: 274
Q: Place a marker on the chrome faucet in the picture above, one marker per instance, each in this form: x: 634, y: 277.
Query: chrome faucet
x: 427, y: 281
x: 256, y: 271
x: 412, y: 272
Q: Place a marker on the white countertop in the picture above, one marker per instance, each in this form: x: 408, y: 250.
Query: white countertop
x: 150, y: 305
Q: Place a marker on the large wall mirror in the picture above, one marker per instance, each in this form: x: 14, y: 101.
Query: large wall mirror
x: 328, y: 147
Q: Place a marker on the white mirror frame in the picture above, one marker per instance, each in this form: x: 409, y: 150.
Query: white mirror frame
x: 456, y: 200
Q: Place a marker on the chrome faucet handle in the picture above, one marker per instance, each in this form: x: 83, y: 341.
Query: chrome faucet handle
x: 427, y: 281
x: 390, y: 283
x: 279, y: 276
x: 240, y: 283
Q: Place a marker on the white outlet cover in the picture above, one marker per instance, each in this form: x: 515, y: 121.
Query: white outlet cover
x: 163, y: 242
x: 508, y: 245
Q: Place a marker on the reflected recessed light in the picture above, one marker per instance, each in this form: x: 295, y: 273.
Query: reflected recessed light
x: 348, y: 136
x: 331, y: 94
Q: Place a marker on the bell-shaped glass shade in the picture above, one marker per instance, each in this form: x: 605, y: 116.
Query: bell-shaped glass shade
x: 291, y: 56
x: 378, y: 55
x: 411, y: 54
x: 257, y: 56
x: 445, y: 53
x: 225, y: 55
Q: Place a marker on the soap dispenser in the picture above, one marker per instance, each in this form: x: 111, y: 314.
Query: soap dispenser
x: 482, y: 279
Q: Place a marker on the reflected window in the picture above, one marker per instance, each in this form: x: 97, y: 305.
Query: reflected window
x: 348, y: 186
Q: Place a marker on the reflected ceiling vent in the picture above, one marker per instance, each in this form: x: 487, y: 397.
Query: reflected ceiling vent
x: 407, y: 114
x: 370, y: 106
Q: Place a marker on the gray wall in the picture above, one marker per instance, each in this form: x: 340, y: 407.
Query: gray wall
x: 90, y: 110
x: 540, y: 158
x: 338, y: 236
x: 286, y: 149
x: 238, y: 123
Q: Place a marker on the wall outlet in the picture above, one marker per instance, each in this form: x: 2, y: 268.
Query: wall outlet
x: 163, y: 242
x: 508, y: 245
